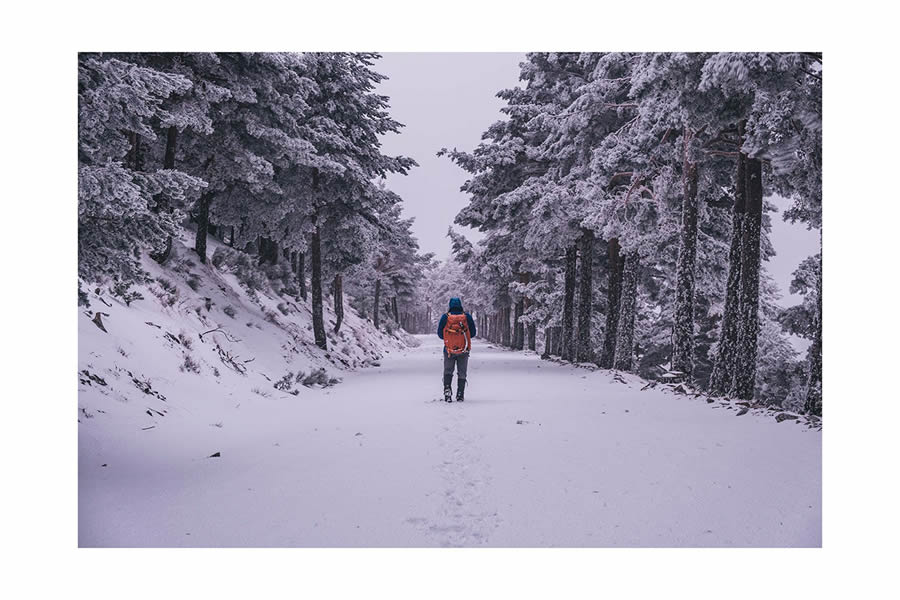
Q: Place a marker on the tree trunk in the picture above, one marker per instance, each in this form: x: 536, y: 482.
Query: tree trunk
x: 394, y: 309
x: 683, y: 326
x: 813, y: 403
x: 171, y: 146
x: 375, y: 308
x: 301, y: 274
x: 625, y: 331
x: 568, y: 342
x: 532, y: 337
x: 548, y: 342
x: 722, y: 376
x: 202, y: 225
x: 168, y: 163
x: 135, y: 156
x: 316, y: 257
x: 518, y: 328
x: 318, y: 317
x: 268, y: 251
x: 585, y: 350
x: 338, y: 285
x: 507, y: 330
x: 748, y: 329
x: 557, y: 340
x: 613, y: 298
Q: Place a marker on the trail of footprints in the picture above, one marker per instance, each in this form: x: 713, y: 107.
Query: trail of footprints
x: 462, y: 517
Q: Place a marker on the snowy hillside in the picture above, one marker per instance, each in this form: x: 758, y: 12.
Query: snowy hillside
x: 199, y: 341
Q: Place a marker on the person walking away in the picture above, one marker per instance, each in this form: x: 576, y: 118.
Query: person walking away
x: 457, y: 328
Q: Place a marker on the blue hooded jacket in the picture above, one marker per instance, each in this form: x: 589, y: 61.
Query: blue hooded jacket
x: 455, y: 308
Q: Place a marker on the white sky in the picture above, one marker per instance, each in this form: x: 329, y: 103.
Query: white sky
x: 448, y: 100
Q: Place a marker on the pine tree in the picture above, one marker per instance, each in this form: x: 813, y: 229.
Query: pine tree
x: 723, y: 372
x: 615, y: 270
x: 585, y: 350
x: 568, y: 320
x: 119, y: 105
x: 625, y: 330
x: 748, y: 330
x: 683, y: 330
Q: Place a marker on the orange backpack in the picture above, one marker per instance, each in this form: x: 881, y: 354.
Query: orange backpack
x: 456, y: 334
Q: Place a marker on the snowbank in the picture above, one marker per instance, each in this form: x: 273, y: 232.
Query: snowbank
x: 198, y: 340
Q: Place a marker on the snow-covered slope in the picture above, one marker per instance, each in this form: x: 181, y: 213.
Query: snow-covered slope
x: 199, y: 341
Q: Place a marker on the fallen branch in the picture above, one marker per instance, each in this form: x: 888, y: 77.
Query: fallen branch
x: 225, y: 333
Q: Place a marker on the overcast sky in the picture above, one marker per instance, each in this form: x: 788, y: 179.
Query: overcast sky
x: 445, y: 100
x: 448, y: 100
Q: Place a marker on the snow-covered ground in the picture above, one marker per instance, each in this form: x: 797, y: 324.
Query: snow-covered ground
x: 540, y: 454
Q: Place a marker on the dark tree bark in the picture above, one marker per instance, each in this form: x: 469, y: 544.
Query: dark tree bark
x: 316, y: 257
x: 748, y: 329
x: 135, y: 156
x: 375, y: 308
x: 202, y: 225
x: 532, y: 337
x: 813, y: 403
x: 171, y: 146
x: 613, y: 298
x: 722, y: 376
x: 338, y: 285
x: 625, y: 337
x: 557, y: 341
x: 568, y: 342
x: 168, y: 163
x: 585, y: 350
x: 519, y: 328
x: 301, y: 274
x: 394, y: 309
x: 507, y: 330
x: 268, y: 251
x: 317, y: 314
x: 685, y: 269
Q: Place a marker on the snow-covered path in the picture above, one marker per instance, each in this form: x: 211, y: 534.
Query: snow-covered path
x: 540, y: 454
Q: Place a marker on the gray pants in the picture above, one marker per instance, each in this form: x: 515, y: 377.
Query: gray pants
x: 458, y: 361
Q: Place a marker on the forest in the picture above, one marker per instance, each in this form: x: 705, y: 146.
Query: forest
x: 277, y: 155
x: 621, y: 202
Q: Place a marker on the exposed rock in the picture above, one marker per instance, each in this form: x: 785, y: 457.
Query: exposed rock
x: 784, y: 417
x: 98, y: 321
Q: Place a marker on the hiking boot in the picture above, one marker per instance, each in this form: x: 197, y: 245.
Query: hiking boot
x: 448, y: 393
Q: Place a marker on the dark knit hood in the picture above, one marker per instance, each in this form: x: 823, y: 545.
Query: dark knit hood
x: 456, y: 306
